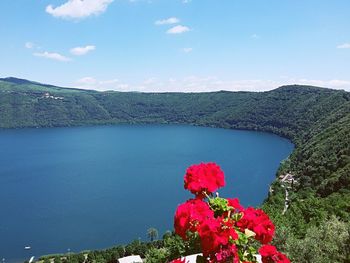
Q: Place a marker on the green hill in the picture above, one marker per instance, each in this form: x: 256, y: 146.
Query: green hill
x: 316, y: 119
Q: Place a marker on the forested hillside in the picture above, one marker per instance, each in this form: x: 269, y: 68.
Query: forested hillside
x: 317, y: 120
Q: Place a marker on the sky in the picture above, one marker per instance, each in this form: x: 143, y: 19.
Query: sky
x: 176, y: 45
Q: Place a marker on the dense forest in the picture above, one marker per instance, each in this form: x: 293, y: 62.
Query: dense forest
x: 317, y: 120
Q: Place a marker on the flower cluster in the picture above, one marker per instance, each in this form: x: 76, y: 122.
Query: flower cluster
x: 225, y: 230
x: 204, y: 178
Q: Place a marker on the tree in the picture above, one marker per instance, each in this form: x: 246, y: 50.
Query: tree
x: 327, y: 243
x: 152, y: 234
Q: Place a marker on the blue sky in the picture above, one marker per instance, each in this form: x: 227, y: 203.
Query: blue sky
x: 176, y: 45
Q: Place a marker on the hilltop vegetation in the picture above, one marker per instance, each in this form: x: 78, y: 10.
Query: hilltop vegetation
x: 317, y: 120
x: 289, y: 111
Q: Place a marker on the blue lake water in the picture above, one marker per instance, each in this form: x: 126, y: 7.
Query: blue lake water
x: 95, y: 187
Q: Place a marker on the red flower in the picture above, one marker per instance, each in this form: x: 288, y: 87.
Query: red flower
x: 211, y: 240
x: 189, y: 215
x: 224, y: 255
x: 234, y: 202
x: 228, y: 229
x: 216, y: 235
x: 259, y: 222
x: 218, y: 232
x: 204, y: 178
x: 179, y: 260
x: 270, y: 254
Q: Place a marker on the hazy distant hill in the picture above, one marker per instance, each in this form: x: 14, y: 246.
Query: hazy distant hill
x: 316, y: 119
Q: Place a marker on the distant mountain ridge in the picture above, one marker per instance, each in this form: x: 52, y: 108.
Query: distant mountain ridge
x: 316, y: 119
x: 194, y: 108
x: 20, y: 81
x: 23, y: 81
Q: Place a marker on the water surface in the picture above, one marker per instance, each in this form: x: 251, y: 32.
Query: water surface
x: 94, y: 187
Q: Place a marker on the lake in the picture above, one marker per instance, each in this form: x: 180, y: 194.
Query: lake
x: 94, y: 187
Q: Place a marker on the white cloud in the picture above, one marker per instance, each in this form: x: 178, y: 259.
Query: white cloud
x: 212, y: 83
x: 123, y: 87
x: 29, y: 45
x: 101, y: 85
x: 168, y: 21
x: 196, y: 84
x: 146, y: 1
x: 179, y: 29
x: 79, y: 51
x: 52, y: 55
x: 204, y: 84
x: 87, y: 81
x: 149, y: 81
x: 345, y: 45
x: 187, y: 49
x: 79, y: 8
x: 109, y: 82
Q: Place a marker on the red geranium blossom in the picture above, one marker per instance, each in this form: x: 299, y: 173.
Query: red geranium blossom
x: 270, y: 254
x: 221, y: 226
x: 210, y: 235
x: 179, y: 260
x: 259, y: 222
x: 216, y: 235
x: 234, y: 202
x: 228, y: 229
x: 188, y: 215
x: 228, y: 254
x: 204, y: 178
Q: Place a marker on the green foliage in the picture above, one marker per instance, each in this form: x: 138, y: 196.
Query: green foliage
x: 57, y: 259
x: 219, y: 205
x: 175, y: 246
x: 136, y: 248
x: 74, y: 258
x: 157, y: 255
x: 326, y: 243
x: 104, y: 256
